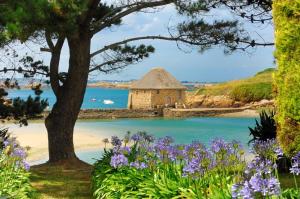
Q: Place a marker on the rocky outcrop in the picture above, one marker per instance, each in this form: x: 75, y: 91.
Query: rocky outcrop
x: 195, y: 101
x: 221, y: 101
x: 199, y: 112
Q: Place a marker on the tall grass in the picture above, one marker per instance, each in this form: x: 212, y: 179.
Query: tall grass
x: 254, y: 88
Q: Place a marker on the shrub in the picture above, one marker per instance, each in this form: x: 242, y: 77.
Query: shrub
x: 265, y: 128
x: 14, y: 175
x: 287, y: 78
x: 251, y: 92
x: 143, y: 169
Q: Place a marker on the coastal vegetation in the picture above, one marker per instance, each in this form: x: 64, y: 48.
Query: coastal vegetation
x: 265, y: 128
x: 287, y: 79
x: 251, y: 89
x: 140, y: 166
x: 14, y: 175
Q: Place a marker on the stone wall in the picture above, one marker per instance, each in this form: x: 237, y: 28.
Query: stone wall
x: 160, y: 98
x: 139, y: 99
x: 118, y: 113
x: 151, y: 113
x: 149, y: 99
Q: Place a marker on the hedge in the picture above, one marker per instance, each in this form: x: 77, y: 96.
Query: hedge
x: 287, y: 79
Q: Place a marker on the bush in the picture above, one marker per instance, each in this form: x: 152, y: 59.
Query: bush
x: 287, y: 78
x: 265, y: 129
x: 14, y: 175
x: 143, y: 169
x: 251, y: 92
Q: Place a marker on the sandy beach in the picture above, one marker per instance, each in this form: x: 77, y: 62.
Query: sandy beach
x: 245, y: 113
x: 34, y: 137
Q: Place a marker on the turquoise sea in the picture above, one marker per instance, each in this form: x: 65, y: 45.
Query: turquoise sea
x: 182, y: 130
x: 93, y: 97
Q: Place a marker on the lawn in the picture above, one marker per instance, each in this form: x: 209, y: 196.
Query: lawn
x: 52, y: 181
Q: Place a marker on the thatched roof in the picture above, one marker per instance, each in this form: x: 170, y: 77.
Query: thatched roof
x: 157, y: 78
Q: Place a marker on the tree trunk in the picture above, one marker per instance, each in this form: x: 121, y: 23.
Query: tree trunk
x: 61, y: 121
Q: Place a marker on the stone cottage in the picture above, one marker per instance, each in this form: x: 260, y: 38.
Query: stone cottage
x: 157, y: 89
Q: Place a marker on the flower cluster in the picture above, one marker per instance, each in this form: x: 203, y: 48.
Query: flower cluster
x: 15, y: 152
x: 204, y: 169
x: 296, y: 164
x: 195, y: 158
x: 260, y: 176
x: 267, y: 149
x: 121, y: 153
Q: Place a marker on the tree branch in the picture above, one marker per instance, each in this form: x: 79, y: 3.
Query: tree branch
x: 101, y: 24
x: 137, y: 39
x: 49, y: 40
x: 54, y: 65
x: 17, y: 70
x: 177, y: 39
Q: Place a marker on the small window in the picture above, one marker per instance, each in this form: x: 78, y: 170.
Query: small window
x: 136, y: 92
x: 157, y: 92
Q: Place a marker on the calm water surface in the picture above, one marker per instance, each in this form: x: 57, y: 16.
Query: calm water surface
x: 93, y: 97
x: 182, y: 130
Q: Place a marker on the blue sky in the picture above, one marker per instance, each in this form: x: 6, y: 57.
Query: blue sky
x: 211, y: 66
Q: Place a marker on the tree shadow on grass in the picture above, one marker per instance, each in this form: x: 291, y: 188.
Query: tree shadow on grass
x: 62, y: 181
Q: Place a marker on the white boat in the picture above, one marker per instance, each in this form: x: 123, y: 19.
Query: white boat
x: 108, y: 102
x: 93, y: 99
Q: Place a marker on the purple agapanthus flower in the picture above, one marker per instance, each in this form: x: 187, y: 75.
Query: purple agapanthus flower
x: 261, y: 166
x: 246, y: 191
x: 267, y: 149
x: 138, y: 165
x: 149, y: 138
x: 118, y: 160
x: 115, y: 141
x: 26, y: 165
x: 295, y: 169
x: 18, y: 152
x: 235, y: 190
x: 123, y: 150
x: 218, y: 145
x: 136, y: 137
x: 6, y: 143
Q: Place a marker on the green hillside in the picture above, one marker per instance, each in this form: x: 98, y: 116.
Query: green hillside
x: 254, y: 88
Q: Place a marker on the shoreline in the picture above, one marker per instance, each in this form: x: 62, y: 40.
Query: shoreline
x: 34, y: 138
x: 162, y: 113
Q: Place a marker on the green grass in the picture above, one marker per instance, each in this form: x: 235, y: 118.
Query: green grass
x: 61, y: 182
x: 287, y: 180
x: 251, y: 89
